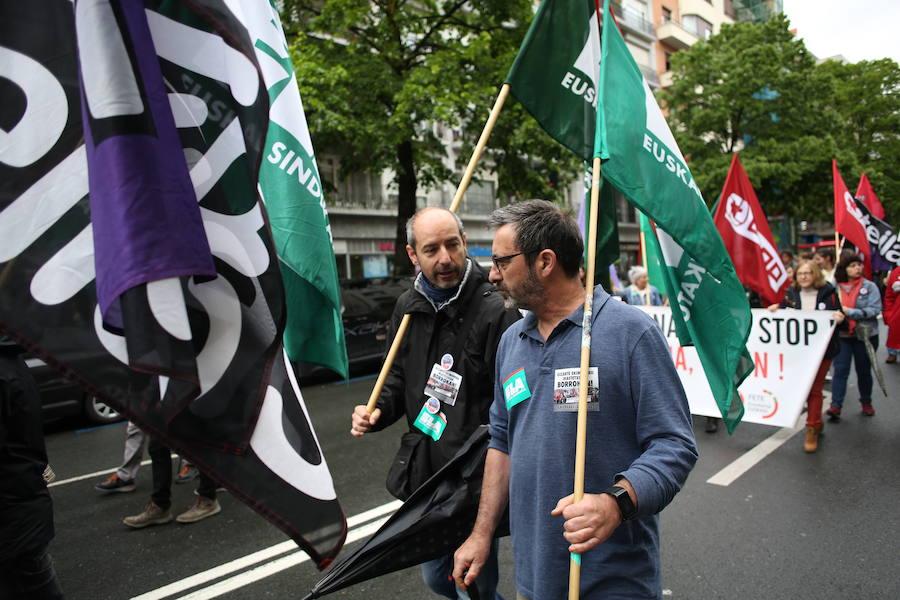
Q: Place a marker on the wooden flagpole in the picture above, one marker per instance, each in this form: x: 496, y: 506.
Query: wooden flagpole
x: 581, y: 434
x: 643, y: 250
x: 457, y: 198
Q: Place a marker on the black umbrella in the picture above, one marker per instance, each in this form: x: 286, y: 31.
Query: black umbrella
x: 435, y: 520
x: 863, y: 333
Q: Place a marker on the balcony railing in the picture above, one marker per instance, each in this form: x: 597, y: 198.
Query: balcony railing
x: 674, y: 34
x: 632, y: 19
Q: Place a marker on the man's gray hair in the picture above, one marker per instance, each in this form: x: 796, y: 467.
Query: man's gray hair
x: 542, y: 225
x: 411, y: 236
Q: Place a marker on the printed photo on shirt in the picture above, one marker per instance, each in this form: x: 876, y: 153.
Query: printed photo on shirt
x: 565, y: 389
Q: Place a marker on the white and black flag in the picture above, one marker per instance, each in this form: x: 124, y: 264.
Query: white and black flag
x: 882, y: 239
x: 136, y: 254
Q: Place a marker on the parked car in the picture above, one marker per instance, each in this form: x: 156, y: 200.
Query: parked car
x: 62, y: 397
x: 367, y: 305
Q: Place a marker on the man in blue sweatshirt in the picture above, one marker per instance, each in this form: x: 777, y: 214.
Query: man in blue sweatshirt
x: 640, y: 444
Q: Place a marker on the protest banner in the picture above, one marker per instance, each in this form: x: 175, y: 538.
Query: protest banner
x: 787, y: 347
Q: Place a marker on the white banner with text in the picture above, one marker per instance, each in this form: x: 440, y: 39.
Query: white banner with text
x: 787, y: 347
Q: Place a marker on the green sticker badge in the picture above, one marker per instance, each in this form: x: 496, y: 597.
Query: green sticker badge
x: 431, y: 421
x: 515, y: 388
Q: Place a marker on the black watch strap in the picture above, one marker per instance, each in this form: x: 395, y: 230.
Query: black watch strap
x: 626, y: 506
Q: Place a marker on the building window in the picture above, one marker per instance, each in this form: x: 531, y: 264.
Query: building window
x: 729, y: 9
x: 700, y: 27
x: 480, y: 198
x: 668, y: 61
x: 666, y: 15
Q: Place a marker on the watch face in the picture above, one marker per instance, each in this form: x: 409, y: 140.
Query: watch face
x: 626, y: 506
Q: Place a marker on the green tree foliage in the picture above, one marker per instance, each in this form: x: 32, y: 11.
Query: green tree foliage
x: 756, y: 88
x: 377, y: 75
x: 866, y: 96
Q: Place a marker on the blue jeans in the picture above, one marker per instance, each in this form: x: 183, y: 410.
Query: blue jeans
x: 438, y: 576
x: 855, y: 350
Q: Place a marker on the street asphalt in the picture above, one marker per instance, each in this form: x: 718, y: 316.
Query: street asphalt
x: 794, y: 525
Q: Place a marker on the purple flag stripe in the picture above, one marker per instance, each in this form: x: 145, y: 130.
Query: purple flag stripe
x: 146, y: 221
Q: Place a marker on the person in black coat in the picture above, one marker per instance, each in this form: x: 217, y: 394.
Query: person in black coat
x: 26, y: 510
x: 810, y: 291
x: 442, y: 380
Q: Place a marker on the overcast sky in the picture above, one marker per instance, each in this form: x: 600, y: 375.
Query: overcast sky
x: 860, y: 30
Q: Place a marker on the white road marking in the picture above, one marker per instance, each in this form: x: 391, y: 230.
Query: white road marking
x: 216, y: 572
x: 374, y: 513
x: 90, y: 475
x: 276, y: 566
x: 358, y: 530
x: 749, y: 459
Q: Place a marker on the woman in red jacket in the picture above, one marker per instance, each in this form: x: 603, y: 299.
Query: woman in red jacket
x: 892, y: 315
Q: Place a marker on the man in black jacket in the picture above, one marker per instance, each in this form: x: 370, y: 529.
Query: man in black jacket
x: 26, y: 510
x: 442, y: 378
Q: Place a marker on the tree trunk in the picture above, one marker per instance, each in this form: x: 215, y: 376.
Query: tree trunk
x: 406, y: 205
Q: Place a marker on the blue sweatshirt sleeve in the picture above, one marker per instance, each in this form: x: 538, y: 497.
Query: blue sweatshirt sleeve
x: 662, y: 422
x: 499, y: 424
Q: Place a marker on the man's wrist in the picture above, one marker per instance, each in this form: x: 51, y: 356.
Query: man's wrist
x: 483, y: 532
x: 622, y: 498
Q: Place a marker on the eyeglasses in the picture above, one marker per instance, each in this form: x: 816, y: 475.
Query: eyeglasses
x: 501, y: 261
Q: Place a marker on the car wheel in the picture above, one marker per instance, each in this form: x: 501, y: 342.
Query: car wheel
x: 99, y: 412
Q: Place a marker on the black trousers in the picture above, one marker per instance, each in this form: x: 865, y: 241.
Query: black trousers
x: 29, y: 577
x: 161, y: 460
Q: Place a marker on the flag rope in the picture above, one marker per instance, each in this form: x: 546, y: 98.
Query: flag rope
x: 581, y: 431
x: 457, y: 198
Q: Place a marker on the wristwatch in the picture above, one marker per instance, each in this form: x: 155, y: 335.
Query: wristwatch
x: 626, y: 506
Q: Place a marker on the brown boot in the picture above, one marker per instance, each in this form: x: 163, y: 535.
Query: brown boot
x: 811, y: 443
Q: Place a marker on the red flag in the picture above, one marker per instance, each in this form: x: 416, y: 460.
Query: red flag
x: 866, y: 194
x: 745, y: 231
x: 848, y: 219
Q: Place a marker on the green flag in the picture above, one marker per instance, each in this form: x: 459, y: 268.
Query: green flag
x: 554, y: 76
x: 654, y: 268
x: 642, y: 160
x: 292, y: 191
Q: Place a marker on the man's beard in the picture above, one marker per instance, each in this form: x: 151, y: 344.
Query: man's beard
x: 436, y: 281
x: 529, y: 296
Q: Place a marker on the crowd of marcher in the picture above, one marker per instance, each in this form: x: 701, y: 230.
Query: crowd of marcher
x: 502, y: 344
x: 817, y: 282
x: 856, y: 303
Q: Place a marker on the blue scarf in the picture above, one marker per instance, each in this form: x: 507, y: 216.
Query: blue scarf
x: 437, y: 295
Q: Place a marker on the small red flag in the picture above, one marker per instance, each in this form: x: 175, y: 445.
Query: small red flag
x: 745, y: 231
x: 848, y: 219
x: 866, y: 195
